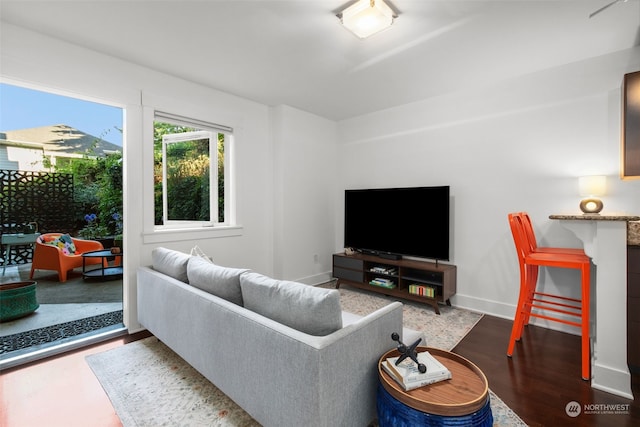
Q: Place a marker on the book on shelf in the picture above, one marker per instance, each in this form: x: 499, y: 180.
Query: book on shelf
x: 385, y: 283
x: 409, y: 377
x: 384, y: 270
x: 422, y: 290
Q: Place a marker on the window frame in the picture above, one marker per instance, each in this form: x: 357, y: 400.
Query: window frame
x: 213, y: 178
x: 196, y: 230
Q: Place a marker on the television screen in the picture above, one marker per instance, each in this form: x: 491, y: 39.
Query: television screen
x: 398, y: 221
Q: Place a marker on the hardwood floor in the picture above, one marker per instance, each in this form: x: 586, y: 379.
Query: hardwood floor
x: 537, y: 383
x: 542, y: 377
x: 60, y: 391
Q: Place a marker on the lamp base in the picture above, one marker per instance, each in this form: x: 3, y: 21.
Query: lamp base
x: 591, y: 206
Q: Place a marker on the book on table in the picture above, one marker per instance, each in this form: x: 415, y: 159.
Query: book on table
x: 406, y: 373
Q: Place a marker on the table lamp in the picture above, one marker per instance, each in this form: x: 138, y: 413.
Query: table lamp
x: 591, y: 187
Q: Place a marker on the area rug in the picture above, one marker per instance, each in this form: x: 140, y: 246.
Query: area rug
x: 150, y: 385
x: 442, y: 331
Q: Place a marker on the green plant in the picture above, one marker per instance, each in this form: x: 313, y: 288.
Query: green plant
x: 98, y: 189
x: 109, y: 181
x: 117, y: 218
x: 187, y: 169
x: 92, y: 230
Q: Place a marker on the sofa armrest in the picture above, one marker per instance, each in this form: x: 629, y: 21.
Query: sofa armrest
x: 320, y: 381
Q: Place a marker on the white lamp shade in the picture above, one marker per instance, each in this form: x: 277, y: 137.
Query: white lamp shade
x: 595, y: 185
x: 367, y: 17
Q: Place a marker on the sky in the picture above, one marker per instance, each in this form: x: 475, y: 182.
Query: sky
x: 22, y: 108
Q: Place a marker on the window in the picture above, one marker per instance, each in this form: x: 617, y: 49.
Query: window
x: 191, y: 173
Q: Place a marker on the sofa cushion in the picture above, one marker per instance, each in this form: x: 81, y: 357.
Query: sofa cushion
x: 223, y: 282
x: 170, y: 262
x: 315, y: 311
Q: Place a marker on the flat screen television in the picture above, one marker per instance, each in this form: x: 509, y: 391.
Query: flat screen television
x: 393, y: 222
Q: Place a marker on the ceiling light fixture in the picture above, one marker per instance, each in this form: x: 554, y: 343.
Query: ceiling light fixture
x: 365, y: 18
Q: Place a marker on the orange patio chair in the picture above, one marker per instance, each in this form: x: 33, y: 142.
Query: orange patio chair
x: 544, y: 305
x: 46, y: 256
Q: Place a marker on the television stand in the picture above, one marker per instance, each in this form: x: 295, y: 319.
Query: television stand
x: 420, y: 281
x: 389, y: 256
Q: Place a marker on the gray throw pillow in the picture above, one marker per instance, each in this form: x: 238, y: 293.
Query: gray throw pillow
x: 315, y: 311
x: 170, y: 262
x: 223, y: 282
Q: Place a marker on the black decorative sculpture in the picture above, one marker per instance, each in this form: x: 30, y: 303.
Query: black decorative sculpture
x: 409, y: 352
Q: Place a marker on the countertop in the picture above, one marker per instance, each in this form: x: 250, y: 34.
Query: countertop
x: 633, y: 223
x: 633, y: 233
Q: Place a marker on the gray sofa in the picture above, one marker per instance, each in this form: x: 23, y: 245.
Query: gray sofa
x: 282, y: 376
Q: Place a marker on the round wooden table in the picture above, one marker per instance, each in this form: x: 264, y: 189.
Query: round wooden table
x: 461, y: 400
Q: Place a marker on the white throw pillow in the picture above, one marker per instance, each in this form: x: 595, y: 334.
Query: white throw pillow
x: 170, y: 262
x: 315, y: 311
x: 196, y: 251
x: 223, y: 282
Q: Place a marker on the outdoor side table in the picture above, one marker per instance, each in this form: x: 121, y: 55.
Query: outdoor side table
x: 105, y: 270
x: 16, y: 239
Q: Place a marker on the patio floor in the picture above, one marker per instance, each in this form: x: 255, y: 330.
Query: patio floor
x: 64, y: 305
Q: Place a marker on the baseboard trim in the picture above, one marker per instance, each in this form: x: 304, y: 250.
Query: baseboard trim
x: 506, y: 311
x: 611, y: 381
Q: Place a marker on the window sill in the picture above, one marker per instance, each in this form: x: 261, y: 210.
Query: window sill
x: 199, y: 233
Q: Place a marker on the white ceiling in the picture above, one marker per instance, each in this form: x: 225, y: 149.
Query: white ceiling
x: 294, y: 52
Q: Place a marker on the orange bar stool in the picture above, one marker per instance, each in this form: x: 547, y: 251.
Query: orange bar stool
x: 544, y: 305
x: 531, y: 237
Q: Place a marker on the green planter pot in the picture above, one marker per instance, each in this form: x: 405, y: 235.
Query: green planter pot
x: 17, y: 299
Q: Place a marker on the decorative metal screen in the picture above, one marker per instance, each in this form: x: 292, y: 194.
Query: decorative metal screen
x: 41, y: 197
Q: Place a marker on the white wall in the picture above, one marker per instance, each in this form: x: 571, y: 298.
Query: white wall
x: 21, y: 158
x: 516, y: 145
x: 304, y: 184
x: 32, y: 60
